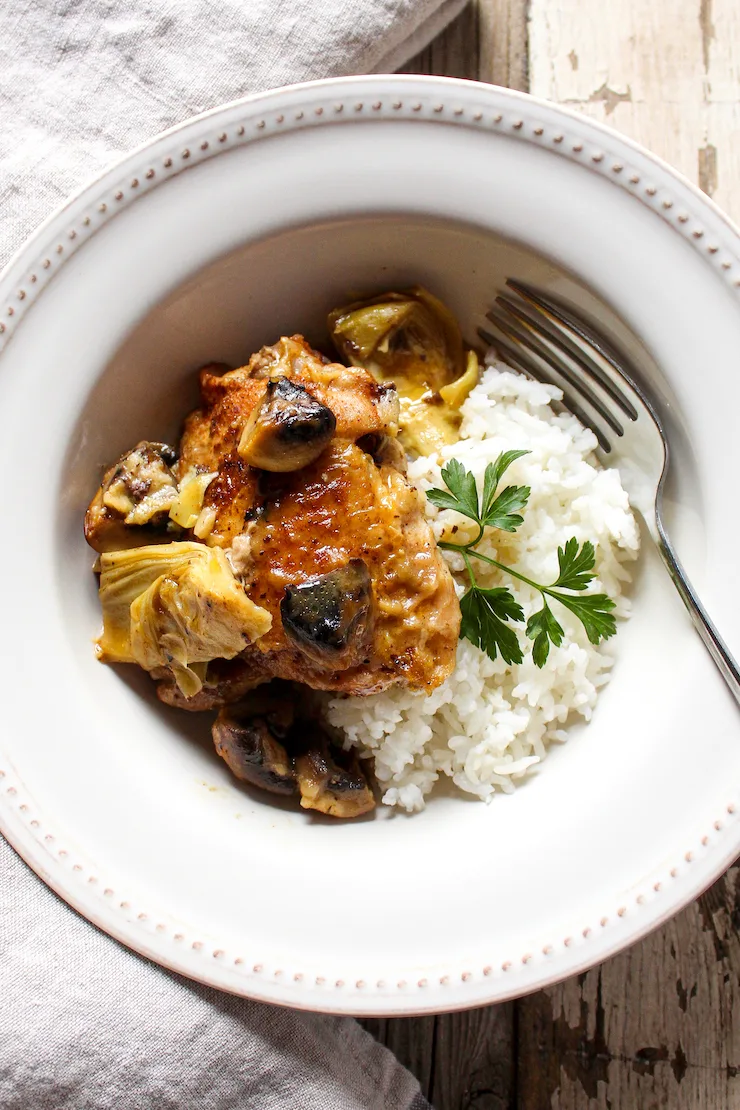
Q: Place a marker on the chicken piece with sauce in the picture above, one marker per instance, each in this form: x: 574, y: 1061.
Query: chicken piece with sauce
x: 336, y: 550
x: 292, y: 471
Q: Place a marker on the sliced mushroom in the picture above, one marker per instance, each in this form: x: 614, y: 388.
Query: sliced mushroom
x: 273, y: 740
x: 288, y: 430
x: 385, y: 451
x: 130, y: 508
x: 329, y: 617
x: 332, y: 781
x: 226, y: 681
x: 248, y: 737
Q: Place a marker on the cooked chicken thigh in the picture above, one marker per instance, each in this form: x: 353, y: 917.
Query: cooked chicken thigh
x: 292, y: 467
x: 293, y: 535
x: 282, y: 542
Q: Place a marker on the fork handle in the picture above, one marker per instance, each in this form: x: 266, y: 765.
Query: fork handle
x: 703, y: 623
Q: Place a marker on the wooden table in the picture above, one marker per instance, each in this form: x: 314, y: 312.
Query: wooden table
x: 659, y: 1025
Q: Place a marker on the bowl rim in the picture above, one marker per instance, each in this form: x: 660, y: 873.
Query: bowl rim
x: 686, y: 883
x: 381, y: 80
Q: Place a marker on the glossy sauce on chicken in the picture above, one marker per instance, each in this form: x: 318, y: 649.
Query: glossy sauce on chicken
x: 283, y: 529
x: 323, y: 570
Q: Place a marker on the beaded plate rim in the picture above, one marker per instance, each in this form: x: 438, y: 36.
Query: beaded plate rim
x: 501, y: 111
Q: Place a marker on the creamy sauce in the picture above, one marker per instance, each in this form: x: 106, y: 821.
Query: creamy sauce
x: 429, y: 421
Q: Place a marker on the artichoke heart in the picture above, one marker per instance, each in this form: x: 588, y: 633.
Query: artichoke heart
x: 411, y: 337
x: 175, y: 605
x: 414, y: 339
x: 186, y: 507
x: 456, y: 392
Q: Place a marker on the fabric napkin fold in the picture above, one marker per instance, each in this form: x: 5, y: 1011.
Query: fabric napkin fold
x: 84, y: 81
x: 86, y: 1024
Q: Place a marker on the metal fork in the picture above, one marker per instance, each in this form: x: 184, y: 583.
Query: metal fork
x: 548, y: 342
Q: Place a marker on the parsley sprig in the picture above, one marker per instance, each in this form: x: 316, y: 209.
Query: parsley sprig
x: 489, y: 613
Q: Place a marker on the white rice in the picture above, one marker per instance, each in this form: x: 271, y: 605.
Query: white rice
x: 489, y: 723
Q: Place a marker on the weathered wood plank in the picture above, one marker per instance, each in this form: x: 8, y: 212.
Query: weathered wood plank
x: 503, y: 45
x: 412, y: 1041
x: 462, y: 1061
x: 488, y: 41
x: 656, y: 1026
x: 474, y: 1060
x: 667, y: 73
x: 453, y: 53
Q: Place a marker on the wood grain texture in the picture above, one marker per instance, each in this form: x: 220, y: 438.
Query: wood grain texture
x: 462, y: 1061
x: 503, y: 43
x: 657, y: 1027
x: 412, y: 1040
x: 475, y: 1060
x: 455, y: 52
x: 487, y: 42
x: 666, y: 73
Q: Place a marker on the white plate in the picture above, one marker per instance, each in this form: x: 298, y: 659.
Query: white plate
x: 212, y: 239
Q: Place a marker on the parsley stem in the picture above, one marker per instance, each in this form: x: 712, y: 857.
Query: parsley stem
x: 468, y: 564
x: 509, y: 570
x: 466, y: 552
x: 485, y: 611
x: 514, y: 573
x: 463, y: 546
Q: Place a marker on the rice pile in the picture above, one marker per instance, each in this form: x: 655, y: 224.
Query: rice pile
x: 489, y: 723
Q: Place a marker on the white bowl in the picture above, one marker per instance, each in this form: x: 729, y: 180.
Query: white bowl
x: 253, y: 220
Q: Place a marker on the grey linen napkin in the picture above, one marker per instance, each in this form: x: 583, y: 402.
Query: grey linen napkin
x: 83, y: 81
x: 84, y: 1023
x: 87, y: 1025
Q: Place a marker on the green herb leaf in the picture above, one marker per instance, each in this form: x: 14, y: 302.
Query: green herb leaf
x: 486, y: 611
x: 502, y: 602
x: 593, y: 611
x: 576, y: 566
x: 542, y: 628
x: 494, y: 473
x: 503, y: 513
x: 463, y: 495
x: 483, y: 615
x: 445, y: 500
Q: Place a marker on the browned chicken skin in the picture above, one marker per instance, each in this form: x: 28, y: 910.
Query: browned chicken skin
x: 304, y: 487
x: 360, y: 405
x: 293, y: 466
x: 345, y: 507
x: 285, y: 530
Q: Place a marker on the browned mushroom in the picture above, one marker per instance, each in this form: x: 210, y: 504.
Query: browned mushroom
x: 332, y: 781
x: 288, y: 430
x: 385, y: 451
x: 273, y: 740
x: 329, y: 617
x: 132, y: 504
x: 226, y: 682
x: 249, y: 738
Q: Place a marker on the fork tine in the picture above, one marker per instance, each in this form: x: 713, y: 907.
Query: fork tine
x: 519, y: 358
x: 536, y: 317
x: 553, y: 357
x: 579, y: 328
